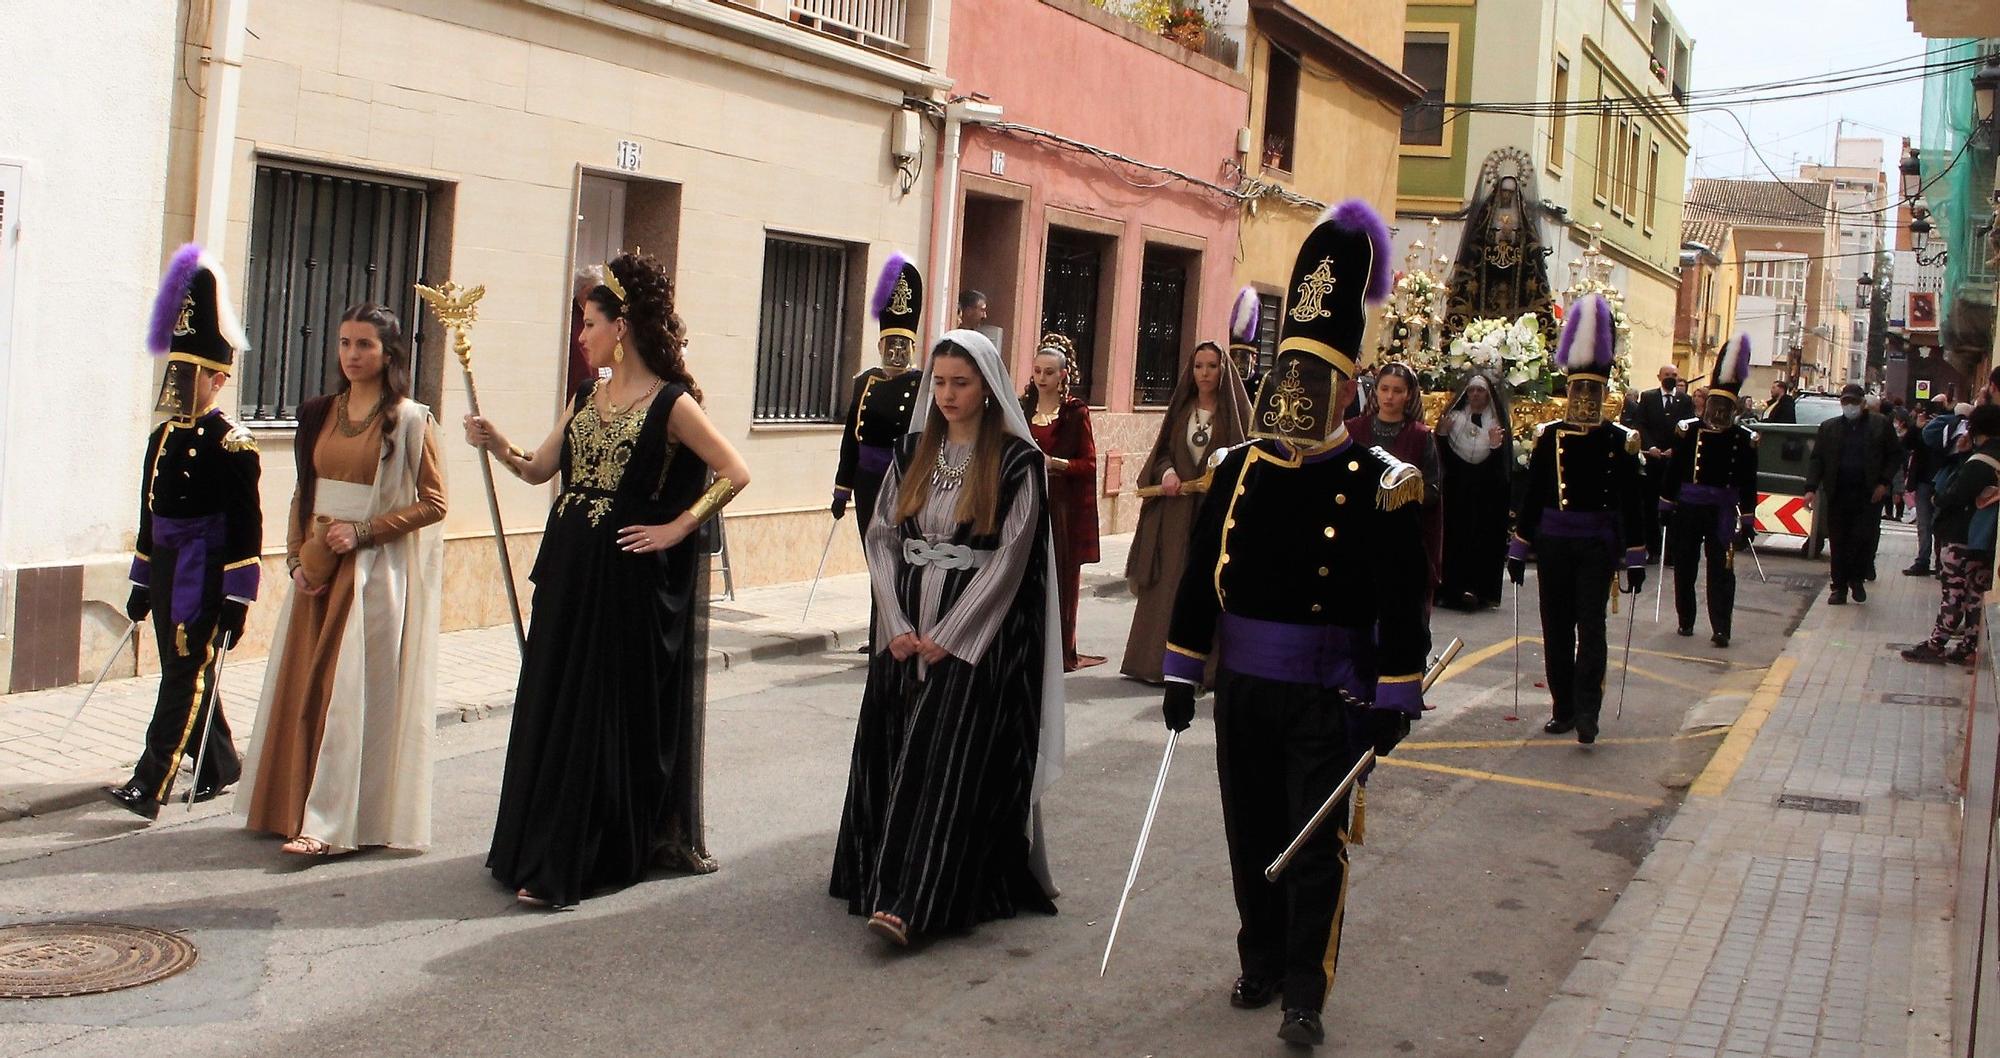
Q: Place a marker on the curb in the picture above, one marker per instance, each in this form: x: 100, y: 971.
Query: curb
x: 65, y: 796
x: 1563, y: 1027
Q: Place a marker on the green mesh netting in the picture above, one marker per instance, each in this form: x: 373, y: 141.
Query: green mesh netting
x: 1958, y: 197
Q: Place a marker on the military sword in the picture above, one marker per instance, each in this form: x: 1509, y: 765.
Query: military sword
x: 1625, y: 676
x: 207, y: 721
x: 1752, y: 548
x: 1354, y: 774
x: 1517, y: 648
x: 87, y: 695
x: 823, y: 552
x: 1145, y: 831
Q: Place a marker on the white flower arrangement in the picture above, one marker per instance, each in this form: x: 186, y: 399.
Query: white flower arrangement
x: 1412, y: 321
x: 1512, y: 351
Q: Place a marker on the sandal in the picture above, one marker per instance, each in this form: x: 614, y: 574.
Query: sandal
x: 528, y: 899
x: 305, y: 846
x: 889, y: 928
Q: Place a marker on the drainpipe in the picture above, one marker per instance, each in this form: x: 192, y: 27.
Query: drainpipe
x: 957, y: 114
x: 216, y: 153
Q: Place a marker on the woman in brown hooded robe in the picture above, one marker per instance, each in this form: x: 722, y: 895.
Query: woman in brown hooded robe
x: 1205, y: 416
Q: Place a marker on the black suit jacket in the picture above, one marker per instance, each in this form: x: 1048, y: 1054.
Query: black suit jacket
x: 1881, y: 455
x: 1655, y: 416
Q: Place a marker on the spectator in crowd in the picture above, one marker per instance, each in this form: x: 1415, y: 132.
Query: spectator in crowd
x: 1921, y: 466
x: 1966, y: 508
x: 1847, y: 476
x: 1783, y: 407
x: 1654, y: 415
x: 971, y: 309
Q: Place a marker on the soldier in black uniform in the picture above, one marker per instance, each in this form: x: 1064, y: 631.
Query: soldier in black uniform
x: 1306, y: 578
x: 883, y: 396
x: 1710, y: 494
x: 1583, y: 517
x: 200, y: 533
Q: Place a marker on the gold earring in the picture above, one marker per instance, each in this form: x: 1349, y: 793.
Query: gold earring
x: 618, y: 353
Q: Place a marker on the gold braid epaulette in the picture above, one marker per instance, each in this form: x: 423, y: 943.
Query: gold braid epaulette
x: 1401, y: 483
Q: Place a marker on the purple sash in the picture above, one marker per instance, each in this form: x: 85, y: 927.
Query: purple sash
x: 190, y: 540
x: 1318, y: 655
x: 1720, y: 497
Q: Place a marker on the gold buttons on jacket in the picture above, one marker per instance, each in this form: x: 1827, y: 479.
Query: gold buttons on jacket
x: 1225, y: 560
x: 1315, y: 607
x: 1329, y: 532
x: 1339, y: 499
x: 1322, y: 571
x: 1353, y: 465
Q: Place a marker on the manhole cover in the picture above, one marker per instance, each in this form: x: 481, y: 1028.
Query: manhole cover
x: 1832, y: 805
x: 1902, y: 698
x: 50, y: 959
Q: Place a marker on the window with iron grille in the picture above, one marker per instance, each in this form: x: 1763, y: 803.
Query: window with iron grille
x: 1268, y: 308
x: 801, y: 327
x: 321, y: 241
x: 1071, y: 280
x: 1162, y: 303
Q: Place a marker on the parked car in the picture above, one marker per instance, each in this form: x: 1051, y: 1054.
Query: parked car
x: 1781, y: 461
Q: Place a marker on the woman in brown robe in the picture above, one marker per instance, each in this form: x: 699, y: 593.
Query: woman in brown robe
x: 1205, y: 416
x: 341, y: 754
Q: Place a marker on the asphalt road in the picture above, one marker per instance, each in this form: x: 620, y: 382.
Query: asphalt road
x: 1490, y: 859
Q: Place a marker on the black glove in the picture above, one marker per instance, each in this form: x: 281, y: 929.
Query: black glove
x: 1386, y: 728
x: 1635, y: 579
x: 229, y: 623
x: 839, y: 507
x: 1517, y: 571
x: 1177, y: 708
x: 139, y: 603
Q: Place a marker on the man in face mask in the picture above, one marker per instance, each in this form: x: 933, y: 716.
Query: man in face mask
x: 1847, y: 476
x: 1655, y: 415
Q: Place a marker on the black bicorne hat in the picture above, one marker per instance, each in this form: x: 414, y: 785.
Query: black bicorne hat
x: 898, y: 303
x: 1342, y: 267
x: 192, y: 320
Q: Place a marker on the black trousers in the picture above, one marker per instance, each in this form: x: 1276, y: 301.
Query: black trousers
x: 1655, y: 482
x: 1575, y: 576
x: 867, y: 487
x: 1696, y: 533
x: 1280, y: 749
x: 1853, y: 531
x: 177, y: 729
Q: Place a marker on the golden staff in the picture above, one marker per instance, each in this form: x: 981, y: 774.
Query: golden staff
x: 455, y: 308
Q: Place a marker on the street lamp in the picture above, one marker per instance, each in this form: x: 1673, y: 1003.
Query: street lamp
x: 1985, y: 89
x: 1863, y: 287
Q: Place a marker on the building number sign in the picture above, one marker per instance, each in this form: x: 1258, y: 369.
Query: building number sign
x: 628, y: 156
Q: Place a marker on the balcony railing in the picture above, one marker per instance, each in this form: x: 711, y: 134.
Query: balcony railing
x: 873, y: 23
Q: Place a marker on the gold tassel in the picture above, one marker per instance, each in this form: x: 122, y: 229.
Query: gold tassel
x: 1614, y: 593
x: 181, y: 640
x: 1408, y: 490
x: 1357, y: 831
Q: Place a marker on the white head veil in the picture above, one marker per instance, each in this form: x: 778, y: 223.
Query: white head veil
x: 1000, y: 384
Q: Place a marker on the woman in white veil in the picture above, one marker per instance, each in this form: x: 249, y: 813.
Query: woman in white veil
x: 934, y: 837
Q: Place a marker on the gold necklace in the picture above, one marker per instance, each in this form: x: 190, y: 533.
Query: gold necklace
x: 615, y: 411
x: 350, y: 428
x: 1043, y: 418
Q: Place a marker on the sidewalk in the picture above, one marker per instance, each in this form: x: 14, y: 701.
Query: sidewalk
x: 477, y: 670
x: 1799, y: 905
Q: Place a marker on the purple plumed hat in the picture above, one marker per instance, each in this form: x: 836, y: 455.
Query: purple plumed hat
x: 1732, y: 366
x: 898, y: 302
x: 192, y: 318
x: 1589, y: 343
x: 1245, y: 316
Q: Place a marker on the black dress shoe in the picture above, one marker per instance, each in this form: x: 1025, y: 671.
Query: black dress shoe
x: 1586, y: 731
x: 1251, y: 993
x: 1917, y: 571
x: 134, y: 800
x: 1558, y: 727
x: 1301, y: 1028
x: 1860, y: 589
x: 1837, y: 597
x: 210, y: 791
x: 1720, y: 639
x: 1687, y: 631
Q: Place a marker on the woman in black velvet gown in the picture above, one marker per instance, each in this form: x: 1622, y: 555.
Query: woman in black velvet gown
x: 603, y: 777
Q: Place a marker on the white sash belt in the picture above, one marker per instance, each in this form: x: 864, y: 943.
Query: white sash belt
x: 944, y: 556
x: 343, y: 501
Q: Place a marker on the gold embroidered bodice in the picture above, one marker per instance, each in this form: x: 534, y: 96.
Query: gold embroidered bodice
x: 598, y: 452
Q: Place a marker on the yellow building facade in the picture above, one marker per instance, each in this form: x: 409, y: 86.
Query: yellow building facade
x: 1326, y: 104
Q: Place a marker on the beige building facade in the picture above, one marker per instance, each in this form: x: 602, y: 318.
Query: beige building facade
x: 771, y: 154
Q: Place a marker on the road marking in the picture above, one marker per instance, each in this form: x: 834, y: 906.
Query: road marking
x: 1467, y: 662
x: 1515, y: 780
x: 1668, y: 680
x: 1722, y: 767
x: 1513, y: 743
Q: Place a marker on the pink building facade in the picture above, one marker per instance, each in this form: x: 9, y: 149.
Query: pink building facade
x: 1132, y: 264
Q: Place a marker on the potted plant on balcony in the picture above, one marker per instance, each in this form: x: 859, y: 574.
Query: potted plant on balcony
x: 1186, y: 25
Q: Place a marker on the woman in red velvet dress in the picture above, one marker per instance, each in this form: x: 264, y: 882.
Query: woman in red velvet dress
x: 1061, y: 425
x: 1394, y: 423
